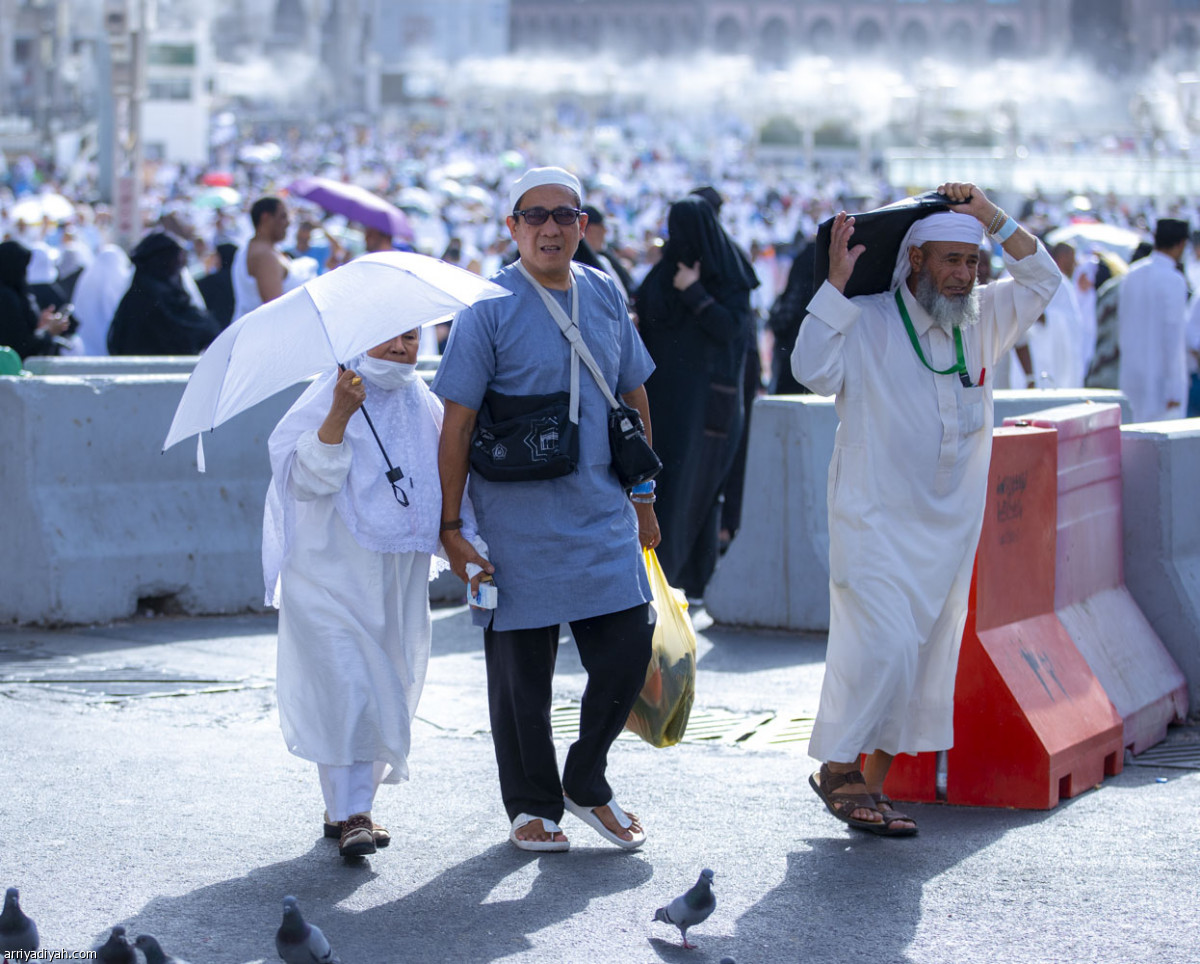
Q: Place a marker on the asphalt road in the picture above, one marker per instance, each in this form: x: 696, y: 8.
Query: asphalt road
x: 145, y: 782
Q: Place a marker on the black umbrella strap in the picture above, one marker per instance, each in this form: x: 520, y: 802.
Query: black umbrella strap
x: 392, y: 470
x: 393, y: 474
x: 959, y: 369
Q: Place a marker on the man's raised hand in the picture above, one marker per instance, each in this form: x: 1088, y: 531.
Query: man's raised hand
x: 969, y: 199
x: 842, y: 257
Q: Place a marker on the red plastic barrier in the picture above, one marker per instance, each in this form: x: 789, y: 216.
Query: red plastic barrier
x: 1032, y: 724
x: 1108, y: 627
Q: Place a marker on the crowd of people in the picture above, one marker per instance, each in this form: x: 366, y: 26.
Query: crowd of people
x: 691, y: 300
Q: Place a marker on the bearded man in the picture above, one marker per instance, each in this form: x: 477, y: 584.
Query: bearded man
x: 907, y: 483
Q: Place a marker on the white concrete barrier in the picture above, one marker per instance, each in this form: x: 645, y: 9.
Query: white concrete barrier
x: 775, y: 573
x: 84, y: 365
x: 98, y: 517
x: 1160, y: 468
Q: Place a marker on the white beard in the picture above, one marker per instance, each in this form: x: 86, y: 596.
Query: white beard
x: 947, y: 312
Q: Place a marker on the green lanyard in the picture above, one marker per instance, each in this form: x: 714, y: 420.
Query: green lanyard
x: 960, y: 369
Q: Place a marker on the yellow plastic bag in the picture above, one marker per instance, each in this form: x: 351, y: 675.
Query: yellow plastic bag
x: 660, y: 715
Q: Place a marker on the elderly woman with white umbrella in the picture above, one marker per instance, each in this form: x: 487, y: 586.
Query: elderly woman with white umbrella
x: 353, y: 510
x: 351, y: 524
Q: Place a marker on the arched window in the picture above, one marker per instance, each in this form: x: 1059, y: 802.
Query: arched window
x: 774, y: 44
x: 914, y: 38
x: 289, y: 24
x: 959, y: 40
x: 868, y: 35
x: 821, y: 36
x: 1004, y: 41
x: 728, y: 37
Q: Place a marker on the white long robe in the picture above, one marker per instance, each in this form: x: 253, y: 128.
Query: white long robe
x: 1151, y: 320
x: 907, y: 486
x: 354, y: 629
x: 353, y: 570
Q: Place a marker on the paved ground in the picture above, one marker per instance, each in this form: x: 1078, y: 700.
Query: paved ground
x: 168, y: 803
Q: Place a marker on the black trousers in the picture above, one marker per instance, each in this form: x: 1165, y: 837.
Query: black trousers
x: 615, y: 651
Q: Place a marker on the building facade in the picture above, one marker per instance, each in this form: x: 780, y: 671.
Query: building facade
x: 1122, y: 34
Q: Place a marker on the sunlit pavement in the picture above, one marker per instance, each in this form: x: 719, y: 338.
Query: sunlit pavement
x: 146, y: 783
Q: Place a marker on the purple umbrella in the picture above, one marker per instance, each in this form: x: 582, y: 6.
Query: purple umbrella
x: 355, y: 204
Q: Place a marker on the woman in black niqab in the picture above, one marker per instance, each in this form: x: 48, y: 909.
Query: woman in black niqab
x: 698, y: 334
x: 156, y: 316
x: 23, y: 328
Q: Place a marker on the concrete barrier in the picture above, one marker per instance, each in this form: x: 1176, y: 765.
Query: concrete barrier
x: 99, y: 518
x: 1090, y: 596
x: 775, y: 573
x: 80, y: 366
x: 1160, y: 466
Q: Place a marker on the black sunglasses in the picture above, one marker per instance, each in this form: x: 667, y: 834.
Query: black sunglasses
x: 535, y: 217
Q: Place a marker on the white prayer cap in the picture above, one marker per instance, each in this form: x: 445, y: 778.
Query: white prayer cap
x: 539, y: 176
x: 943, y: 226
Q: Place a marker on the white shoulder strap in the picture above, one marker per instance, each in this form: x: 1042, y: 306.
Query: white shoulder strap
x: 570, y: 329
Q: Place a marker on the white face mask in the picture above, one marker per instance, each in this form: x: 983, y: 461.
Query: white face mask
x: 385, y: 374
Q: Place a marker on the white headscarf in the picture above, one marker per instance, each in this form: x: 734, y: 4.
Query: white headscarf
x: 99, y: 290
x: 42, y: 268
x: 408, y: 420
x: 942, y: 226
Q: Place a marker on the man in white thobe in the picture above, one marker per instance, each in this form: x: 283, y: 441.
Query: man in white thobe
x: 907, y: 483
x: 1151, y: 323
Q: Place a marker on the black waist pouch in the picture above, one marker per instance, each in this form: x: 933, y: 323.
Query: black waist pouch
x: 524, y: 438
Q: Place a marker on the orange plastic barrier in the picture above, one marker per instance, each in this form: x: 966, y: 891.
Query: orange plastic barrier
x: 1109, y: 628
x: 1032, y: 724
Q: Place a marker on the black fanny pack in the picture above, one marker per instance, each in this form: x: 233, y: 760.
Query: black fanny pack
x: 633, y: 459
x: 524, y: 438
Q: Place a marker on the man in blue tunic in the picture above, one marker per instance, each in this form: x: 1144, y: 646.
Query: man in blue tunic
x: 564, y: 549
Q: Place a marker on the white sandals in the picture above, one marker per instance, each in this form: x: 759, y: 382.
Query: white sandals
x: 588, y: 816
x: 544, y: 845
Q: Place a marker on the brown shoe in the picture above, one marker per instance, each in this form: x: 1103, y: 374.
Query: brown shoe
x: 357, y: 839
x: 334, y: 832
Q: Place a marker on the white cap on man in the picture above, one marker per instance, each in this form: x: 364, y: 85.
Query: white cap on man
x: 942, y: 226
x: 539, y: 176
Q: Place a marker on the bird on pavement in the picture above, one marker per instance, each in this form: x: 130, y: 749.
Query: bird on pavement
x: 691, y: 908
x: 116, y: 950
x: 17, y: 931
x: 153, y: 951
x: 299, y: 942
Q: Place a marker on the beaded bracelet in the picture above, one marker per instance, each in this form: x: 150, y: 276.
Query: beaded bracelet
x: 997, y: 220
x: 644, y: 499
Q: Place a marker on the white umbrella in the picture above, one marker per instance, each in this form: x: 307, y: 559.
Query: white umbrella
x: 1096, y: 234
x: 325, y: 322
x: 33, y: 208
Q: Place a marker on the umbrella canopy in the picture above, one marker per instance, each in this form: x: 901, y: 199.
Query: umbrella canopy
x: 881, y: 231
x: 1095, y: 235
x: 325, y: 322
x: 355, y: 203
x: 217, y: 197
x: 217, y: 179
x: 32, y: 209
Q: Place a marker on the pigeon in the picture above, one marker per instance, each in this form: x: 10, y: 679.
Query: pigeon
x: 691, y: 908
x: 153, y: 951
x: 299, y: 942
x: 17, y: 932
x: 116, y: 950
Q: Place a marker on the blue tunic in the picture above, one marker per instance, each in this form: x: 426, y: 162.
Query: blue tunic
x: 564, y: 548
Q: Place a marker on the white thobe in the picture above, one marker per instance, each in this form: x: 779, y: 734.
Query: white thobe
x: 1151, y: 319
x: 907, y: 487
x: 1056, y: 346
x: 354, y: 629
